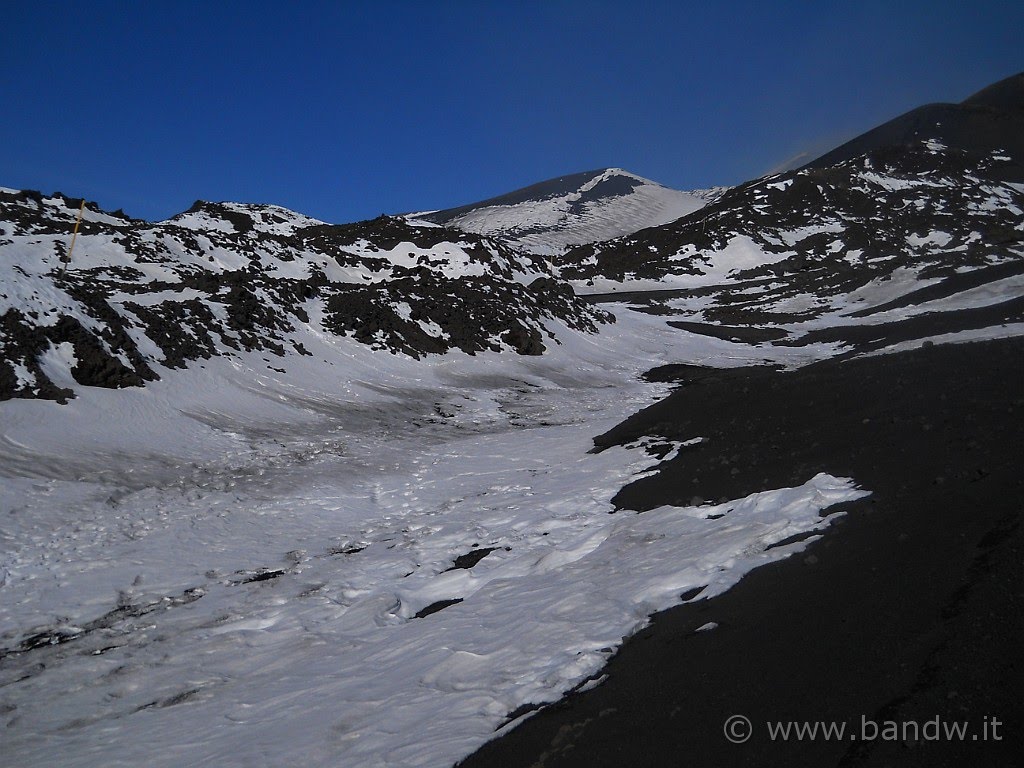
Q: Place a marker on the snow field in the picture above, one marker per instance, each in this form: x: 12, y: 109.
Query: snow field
x: 251, y: 567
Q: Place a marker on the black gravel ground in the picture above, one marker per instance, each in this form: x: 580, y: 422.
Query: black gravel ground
x: 910, y: 608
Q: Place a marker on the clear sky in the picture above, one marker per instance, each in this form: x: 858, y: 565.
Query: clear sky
x: 345, y: 110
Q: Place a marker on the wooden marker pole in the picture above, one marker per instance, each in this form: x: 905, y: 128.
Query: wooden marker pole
x: 74, y: 235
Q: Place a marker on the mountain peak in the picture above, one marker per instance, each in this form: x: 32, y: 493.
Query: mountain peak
x: 553, y: 215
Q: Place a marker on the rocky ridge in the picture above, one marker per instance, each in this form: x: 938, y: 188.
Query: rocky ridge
x: 138, y: 298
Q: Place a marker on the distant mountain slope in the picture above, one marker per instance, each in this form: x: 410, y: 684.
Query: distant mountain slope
x: 879, y: 242
x: 223, y: 278
x: 908, y: 227
x: 549, y: 217
x: 991, y: 120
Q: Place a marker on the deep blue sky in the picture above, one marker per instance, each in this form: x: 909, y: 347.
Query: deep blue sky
x: 347, y: 110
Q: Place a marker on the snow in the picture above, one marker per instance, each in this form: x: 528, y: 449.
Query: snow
x: 716, y: 268
x: 1006, y: 331
x: 551, y: 226
x: 896, y: 184
x: 269, y: 219
x: 740, y: 253
x: 897, y: 284
x: 994, y: 292
x: 57, y: 362
x: 360, y: 482
x: 599, y: 285
x: 451, y: 260
x: 22, y: 375
x: 793, y: 237
x: 157, y: 297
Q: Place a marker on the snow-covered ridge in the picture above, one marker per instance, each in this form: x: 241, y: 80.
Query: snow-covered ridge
x: 552, y: 216
x: 238, y: 217
x: 138, y: 297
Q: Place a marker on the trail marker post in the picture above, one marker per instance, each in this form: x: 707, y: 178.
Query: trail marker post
x: 74, y: 234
